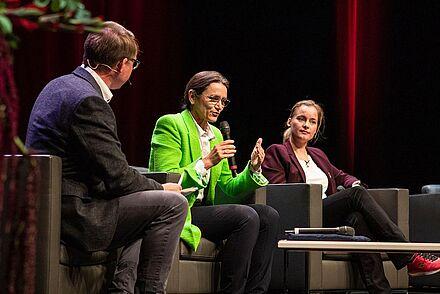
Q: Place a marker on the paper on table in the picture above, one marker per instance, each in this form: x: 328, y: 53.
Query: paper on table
x: 190, y: 190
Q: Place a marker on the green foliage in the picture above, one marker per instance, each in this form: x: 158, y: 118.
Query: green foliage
x: 5, y: 25
x: 25, y: 12
x: 41, y: 3
x: 68, y: 15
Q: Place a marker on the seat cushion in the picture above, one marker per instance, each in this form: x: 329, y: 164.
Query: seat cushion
x: 207, y: 251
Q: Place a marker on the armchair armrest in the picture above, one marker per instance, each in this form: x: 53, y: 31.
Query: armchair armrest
x: 431, y: 189
x: 163, y: 177
x: 160, y: 177
x: 424, y: 217
x: 299, y: 205
x: 395, y: 202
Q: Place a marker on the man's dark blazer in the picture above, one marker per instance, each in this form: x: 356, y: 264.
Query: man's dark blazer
x: 71, y: 119
x: 281, y: 166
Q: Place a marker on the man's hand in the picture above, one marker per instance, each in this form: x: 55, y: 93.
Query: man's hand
x: 225, y: 149
x: 173, y: 187
x: 257, y: 156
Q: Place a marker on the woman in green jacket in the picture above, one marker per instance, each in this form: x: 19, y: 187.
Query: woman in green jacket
x: 189, y: 144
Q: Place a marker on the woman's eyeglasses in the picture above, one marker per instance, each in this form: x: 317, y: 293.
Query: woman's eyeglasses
x: 216, y: 99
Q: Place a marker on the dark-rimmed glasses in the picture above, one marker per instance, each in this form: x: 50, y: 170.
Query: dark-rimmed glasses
x: 136, y: 62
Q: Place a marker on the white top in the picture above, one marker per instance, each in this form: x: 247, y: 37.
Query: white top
x: 105, y: 90
x: 204, y: 137
x: 314, y: 175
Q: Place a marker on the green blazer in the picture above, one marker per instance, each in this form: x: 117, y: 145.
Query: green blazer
x: 175, y: 147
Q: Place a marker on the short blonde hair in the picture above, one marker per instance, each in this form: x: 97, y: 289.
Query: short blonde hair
x: 321, y: 119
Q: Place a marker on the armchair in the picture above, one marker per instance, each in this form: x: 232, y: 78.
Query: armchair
x: 300, y: 205
x: 60, y: 268
x: 203, y: 263
x: 82, y: 272
x: 188, y: 264
x: 48, y: 216
x: 191, y: 272
x: 424, y: 219
x: 195, y: 272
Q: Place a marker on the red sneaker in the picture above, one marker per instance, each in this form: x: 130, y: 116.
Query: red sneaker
x: 424, y: 264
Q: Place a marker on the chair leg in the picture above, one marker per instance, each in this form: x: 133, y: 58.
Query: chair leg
x: 285, y: 268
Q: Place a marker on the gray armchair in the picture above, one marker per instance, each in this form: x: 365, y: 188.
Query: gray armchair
x: 60, y: 268
x: 300, y: 205
x: 48, y: 218
x: 82, y: 272
x: 424, y: 221
x: 191, y: 272
x: 198, y: 272
x: 195, y: 272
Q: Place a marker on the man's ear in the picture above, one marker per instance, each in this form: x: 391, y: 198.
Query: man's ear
x: 120, y: 64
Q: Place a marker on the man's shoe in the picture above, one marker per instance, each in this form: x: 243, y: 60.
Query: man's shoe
x: 423, y: 264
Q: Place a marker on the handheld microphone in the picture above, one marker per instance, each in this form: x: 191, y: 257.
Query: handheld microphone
x: 226, y: 132
x: 344, y: 230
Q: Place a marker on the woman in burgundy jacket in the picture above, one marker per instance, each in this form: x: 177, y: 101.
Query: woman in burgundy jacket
x: 295, y: 162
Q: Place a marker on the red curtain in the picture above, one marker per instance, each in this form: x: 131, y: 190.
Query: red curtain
x: 347, y: 29
x: 360, y: 53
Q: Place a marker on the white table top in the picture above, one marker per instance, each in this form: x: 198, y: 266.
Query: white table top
x: 358, y: 246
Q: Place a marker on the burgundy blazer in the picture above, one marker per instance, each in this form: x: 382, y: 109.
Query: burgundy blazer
x: 281, y: 166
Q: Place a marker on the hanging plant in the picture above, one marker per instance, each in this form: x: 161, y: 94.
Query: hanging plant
x: 55, y: 15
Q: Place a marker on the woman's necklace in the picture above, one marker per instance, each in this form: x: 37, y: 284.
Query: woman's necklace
x: 306, y: 161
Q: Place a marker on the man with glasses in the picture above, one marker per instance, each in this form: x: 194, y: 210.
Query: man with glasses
x: 188, y: 143
x: 105, y: 203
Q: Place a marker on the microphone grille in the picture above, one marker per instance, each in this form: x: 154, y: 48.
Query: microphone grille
x: 346, y: 230
x: 224, y: 127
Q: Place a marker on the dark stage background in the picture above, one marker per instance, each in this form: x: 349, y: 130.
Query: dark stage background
x: 373, y: 64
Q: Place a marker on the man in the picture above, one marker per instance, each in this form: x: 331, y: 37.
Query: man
x: 105, y: 203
